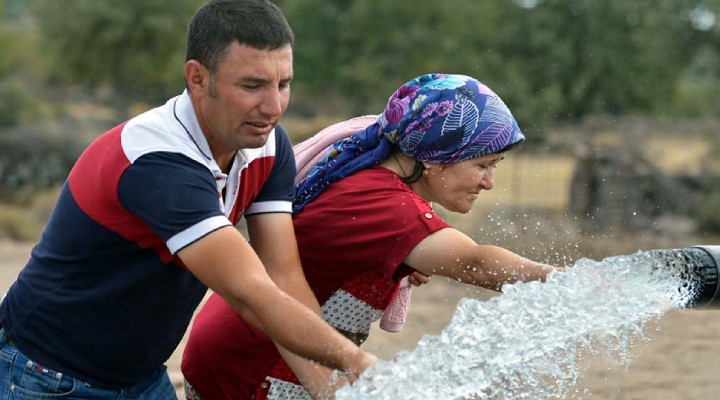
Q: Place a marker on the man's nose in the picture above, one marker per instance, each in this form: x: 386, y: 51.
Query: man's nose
x: 272, y: 103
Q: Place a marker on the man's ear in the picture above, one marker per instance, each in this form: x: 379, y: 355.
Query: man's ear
x: 197, y: 77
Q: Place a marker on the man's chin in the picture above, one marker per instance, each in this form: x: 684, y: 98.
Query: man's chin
x: 255, y: 142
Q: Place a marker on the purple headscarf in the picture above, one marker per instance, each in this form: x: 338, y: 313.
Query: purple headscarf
x: 435, y: 118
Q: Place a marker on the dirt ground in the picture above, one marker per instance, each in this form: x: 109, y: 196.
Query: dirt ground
x: 680, y: 362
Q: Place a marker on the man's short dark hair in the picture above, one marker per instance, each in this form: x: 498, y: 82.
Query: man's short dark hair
x: 218, y: 23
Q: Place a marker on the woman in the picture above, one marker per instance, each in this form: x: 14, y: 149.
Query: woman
x: 364, y: 221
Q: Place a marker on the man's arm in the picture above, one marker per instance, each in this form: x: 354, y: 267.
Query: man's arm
x: 226, y: 263
x: 273, y: 237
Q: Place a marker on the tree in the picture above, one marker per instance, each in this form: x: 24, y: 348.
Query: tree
x: 550, y: 60
x: 136, y: 46
x: 609, y: 56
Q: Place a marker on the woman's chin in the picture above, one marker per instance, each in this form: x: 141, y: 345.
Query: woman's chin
x: 461, y: 209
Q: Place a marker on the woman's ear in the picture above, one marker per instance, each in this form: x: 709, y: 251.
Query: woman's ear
x: 428, y: 168
x: 431, y: 168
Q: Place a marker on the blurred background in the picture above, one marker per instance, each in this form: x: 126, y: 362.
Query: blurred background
x: 618, y: 100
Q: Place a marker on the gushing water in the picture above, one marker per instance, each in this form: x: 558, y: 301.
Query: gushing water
x: 525, y: 343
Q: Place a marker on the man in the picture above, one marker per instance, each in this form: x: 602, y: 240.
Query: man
x: 144, y: 225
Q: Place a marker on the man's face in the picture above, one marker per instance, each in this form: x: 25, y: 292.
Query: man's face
x: 245, y: 98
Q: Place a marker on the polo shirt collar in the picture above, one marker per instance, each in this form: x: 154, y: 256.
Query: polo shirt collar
x: 185, y: 115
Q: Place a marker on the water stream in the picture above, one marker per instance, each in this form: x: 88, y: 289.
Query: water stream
x: 526, y: 343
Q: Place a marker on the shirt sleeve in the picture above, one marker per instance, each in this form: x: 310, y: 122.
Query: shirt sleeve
x: 278, y: 191
x: 176, y: 196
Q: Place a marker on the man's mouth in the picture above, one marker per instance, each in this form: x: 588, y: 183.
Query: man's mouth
x: 259, y: 127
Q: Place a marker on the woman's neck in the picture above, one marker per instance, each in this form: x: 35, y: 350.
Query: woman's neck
x: 399, y: 163
x: 404, y: 166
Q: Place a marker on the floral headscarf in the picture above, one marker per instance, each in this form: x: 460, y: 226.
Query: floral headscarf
x: 435, y: 118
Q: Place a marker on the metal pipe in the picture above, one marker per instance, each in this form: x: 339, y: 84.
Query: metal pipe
x: 708, y: 272
x: 699, y: 268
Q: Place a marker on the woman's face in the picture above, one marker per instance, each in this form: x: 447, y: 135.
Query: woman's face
x: 456, y: 186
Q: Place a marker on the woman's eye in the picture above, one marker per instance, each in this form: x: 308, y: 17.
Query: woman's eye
x: 487, y: 166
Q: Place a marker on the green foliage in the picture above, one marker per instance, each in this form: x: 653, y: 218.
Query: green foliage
x: 550, y: 60
x: 137, y: 46
x: 21, y: 72
x: 559, y: 60
x: 35, y: 157
x: 603, y: 57
x: 13, y: 9
x: 17, y: 104
x: 13, y: 55
x: 697, y: 89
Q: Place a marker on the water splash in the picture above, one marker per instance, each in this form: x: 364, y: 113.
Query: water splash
x: 525, y: 343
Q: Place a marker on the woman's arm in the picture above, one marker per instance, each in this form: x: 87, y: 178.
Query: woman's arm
x: 451, y: 253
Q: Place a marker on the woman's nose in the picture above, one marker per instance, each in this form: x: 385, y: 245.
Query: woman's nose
x: 488, y: 181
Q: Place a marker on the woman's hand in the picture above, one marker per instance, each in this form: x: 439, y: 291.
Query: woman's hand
x: 417, y: 278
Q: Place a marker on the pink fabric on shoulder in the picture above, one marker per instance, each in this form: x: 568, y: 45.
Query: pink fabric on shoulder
x: 310, y: 151
x: 307, y: 154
